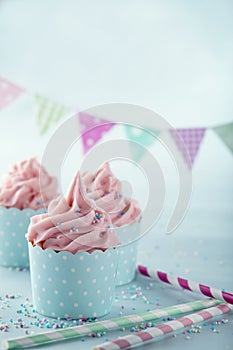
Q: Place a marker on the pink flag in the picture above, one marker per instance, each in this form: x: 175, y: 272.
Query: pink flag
x: 92, y: 129
x: 191, y: 138
x: 8, y: 92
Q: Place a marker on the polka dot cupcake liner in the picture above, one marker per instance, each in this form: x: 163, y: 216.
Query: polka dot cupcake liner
x: 73, y: 285
x: 127, y: 253
x: 13, y: 228
x: 127, y: 264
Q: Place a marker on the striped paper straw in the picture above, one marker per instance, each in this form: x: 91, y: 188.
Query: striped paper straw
x: 186, y: 284
x: 165, y: 328
x: 106, y: 325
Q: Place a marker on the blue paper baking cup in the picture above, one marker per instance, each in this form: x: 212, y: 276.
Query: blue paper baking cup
x: 73, y: 285
x: 127, y: 252
x: 127, y: 263
x: 13, y: 228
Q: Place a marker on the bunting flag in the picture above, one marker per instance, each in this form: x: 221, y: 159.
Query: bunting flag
x: 192, y: 138
x: 9, y: 92
x: 225, y: 132
x: 93, y: 129
x: 48, y: 112
x: 142, y: 137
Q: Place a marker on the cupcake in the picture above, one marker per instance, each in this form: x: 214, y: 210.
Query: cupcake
x: 105, y: 189
x: 73, y: 259
x: 20, y: 199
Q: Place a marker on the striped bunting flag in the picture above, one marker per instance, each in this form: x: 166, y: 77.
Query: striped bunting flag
x: 48, y: 112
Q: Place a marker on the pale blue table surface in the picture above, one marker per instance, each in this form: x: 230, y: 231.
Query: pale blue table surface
x: 204, y: 256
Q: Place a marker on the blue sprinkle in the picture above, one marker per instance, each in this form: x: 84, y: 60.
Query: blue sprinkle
x: 101, y: 235
x: 58, y: 223
x: 38, y: 203
x: 73, y: 228
x: 83, y: 339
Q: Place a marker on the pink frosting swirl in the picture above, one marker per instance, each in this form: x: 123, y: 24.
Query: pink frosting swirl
x: 21, y: 188
x: 105, y: 189
x: 73, y: 224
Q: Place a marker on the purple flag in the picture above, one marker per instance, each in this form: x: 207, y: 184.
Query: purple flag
x: 93, y: 129
x: 192, y: 138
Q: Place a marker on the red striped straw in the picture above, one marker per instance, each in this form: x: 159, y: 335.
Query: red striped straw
x: 149, y: 334
x: 186, y: 284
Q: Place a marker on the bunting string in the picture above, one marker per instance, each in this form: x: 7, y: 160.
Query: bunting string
x: 49, y: 113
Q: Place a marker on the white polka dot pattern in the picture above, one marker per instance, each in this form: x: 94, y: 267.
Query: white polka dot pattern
x: 73, y: 285
x: 13, y: 227
x: 127, y: 264
x: 127, y: 252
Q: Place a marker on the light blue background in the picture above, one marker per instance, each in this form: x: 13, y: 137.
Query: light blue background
x: 174, y: 57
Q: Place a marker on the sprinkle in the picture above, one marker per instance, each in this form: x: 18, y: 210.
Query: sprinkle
x: 73, y: 229
x: 224, y: 321
x: 101, y: 235
x: 117, y: 196
x: 58, y: 224
x: 39, y: 203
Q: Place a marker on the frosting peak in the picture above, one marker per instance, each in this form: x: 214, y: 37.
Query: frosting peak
x: 21, y: 187
x: 105, y: 189
x: 73, y: 224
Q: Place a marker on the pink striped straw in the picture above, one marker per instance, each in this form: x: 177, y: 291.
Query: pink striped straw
x: 186, y: 284
x: 149, y: 334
